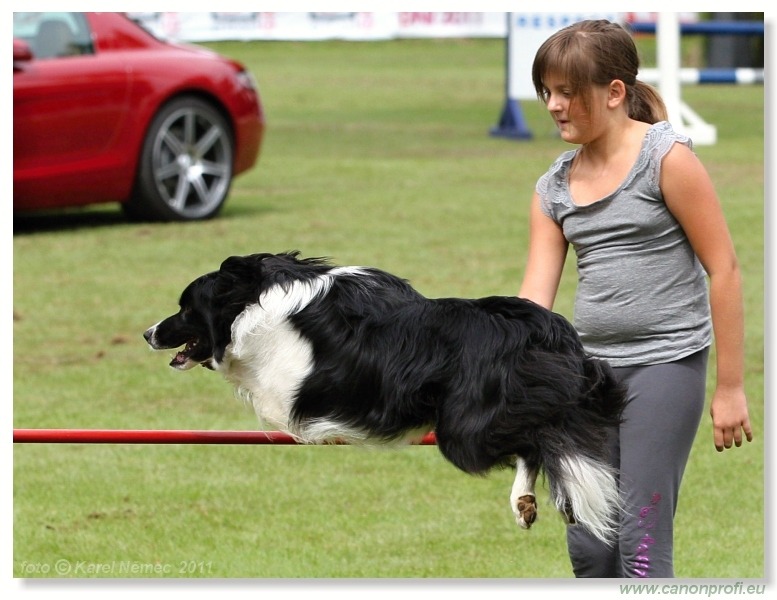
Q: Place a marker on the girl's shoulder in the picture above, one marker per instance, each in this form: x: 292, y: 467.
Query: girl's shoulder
x: 562, y: 163
x: 661, y: 136
x: 659, y: 140
x: 555, y: 177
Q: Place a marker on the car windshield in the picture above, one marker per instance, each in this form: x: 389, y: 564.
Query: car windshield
x: 53, y: 34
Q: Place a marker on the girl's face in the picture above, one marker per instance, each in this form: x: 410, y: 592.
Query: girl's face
x: 575, y: 121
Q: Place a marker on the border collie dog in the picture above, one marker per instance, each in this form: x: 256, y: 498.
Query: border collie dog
x: 355, y: 354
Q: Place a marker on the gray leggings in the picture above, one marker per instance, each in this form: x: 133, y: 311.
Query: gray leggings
x: 650, y: 451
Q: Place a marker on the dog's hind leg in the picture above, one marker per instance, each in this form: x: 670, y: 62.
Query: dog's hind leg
x: 522, y: 498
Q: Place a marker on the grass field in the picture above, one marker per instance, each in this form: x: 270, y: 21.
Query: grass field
x: 376, y: 154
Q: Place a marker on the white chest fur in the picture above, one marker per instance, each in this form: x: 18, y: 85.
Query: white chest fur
x: 268, y: 359
x: 267, y: 367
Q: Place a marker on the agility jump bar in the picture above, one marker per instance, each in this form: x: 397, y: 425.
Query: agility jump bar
x: 166, y: 436
x: 741, y: 76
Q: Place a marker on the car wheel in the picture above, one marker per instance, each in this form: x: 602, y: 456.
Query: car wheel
x: 185, y: 168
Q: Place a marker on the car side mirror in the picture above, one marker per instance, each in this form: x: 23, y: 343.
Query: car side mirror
x: 21, y: 51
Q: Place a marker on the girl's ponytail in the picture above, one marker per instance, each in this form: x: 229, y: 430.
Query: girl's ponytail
x: 645, y: 103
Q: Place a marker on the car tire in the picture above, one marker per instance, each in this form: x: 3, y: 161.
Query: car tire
x: 186, y: 164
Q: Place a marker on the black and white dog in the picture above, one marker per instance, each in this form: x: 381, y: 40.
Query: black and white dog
x: 356, y: 354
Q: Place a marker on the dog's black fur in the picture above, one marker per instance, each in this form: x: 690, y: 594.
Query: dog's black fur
x: 499, y: 379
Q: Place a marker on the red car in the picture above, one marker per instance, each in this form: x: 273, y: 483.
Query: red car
x: 103, y: 111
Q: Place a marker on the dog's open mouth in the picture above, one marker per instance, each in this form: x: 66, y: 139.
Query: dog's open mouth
x: 181, y: 359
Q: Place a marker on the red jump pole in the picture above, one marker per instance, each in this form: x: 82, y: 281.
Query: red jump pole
x: 162, y: 436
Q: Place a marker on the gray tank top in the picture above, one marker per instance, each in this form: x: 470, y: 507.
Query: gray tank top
x: 642, y: 292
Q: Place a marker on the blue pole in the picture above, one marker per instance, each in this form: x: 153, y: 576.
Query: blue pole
x: 511, y: 122
x: 707, y: 27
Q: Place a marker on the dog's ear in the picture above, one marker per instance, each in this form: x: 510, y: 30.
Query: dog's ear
x: 240, y: 271
x: 251, y: 270
x: 236, y: 277
x: 241, y: 267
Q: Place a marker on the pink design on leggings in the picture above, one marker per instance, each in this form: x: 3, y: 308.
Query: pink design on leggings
x: 648, y: 516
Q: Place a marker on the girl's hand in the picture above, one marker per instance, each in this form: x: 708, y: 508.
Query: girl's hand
x: 730, y: 418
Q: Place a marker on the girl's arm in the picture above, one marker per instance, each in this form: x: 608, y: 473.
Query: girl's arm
x: 547, y: 253
x: 691, y: 197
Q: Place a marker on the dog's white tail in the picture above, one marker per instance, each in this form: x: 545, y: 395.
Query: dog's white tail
x: 591, y: 489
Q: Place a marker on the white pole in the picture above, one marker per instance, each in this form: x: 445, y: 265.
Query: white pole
x: 682, y: 117
x: 668, y: 39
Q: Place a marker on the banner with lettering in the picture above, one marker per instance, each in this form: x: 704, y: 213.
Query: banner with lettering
x: 213, y: 26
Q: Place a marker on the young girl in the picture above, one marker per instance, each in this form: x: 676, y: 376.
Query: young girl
x: 642, y: 215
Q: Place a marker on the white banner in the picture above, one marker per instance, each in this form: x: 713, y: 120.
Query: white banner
x: 526, y: 33
x: 357, y: 26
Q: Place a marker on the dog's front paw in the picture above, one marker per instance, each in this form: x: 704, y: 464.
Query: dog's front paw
x: 525, y: 510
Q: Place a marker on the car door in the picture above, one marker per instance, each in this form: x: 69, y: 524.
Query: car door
x: 68, y: 107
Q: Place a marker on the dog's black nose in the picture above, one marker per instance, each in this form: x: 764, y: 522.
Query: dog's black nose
x: 148, y: 333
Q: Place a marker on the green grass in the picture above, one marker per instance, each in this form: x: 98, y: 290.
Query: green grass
x: 375, y: 154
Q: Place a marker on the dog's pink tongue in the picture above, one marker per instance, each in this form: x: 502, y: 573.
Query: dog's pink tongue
x: 178, y: 360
